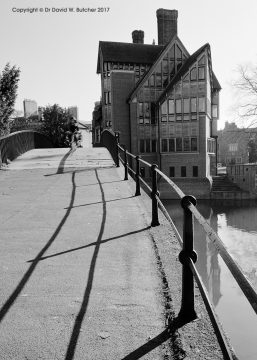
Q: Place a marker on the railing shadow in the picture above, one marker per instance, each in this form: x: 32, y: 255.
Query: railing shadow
x: 8, y: 304
x: 167, y: 334
x: 91, y: 244
x: 83, y: 309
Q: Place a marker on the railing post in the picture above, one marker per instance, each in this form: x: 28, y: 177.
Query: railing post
x: 137, y: 177
x: 187, y: 311
x: 155, y: 219
x: 125, y: 164
x: 117, y: 137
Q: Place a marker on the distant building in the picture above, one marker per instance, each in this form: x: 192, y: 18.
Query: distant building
x: 41, y: 113
x: 233, y: 144
x: 164, y: 102
x: 74, y: 111
x: 30, y: 108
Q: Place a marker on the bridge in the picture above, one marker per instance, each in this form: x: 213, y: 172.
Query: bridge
x: 90, y: 269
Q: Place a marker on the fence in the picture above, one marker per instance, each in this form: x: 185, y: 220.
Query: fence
x: 187, y: 256
x: 19, y: 142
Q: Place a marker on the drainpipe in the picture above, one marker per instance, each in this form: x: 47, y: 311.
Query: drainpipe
x: 216, y: 155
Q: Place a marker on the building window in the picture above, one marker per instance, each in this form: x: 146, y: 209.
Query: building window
x: 153, y: 118
x: 154, y: 143
x: 142, y: 146
x: 178, y: 106
x: 193, y: 74
x: 158, y: 81
x: 164, y: 108
x: 106, y: 98
x: 183, y: 171
x: 193, y: 144
x: 147, y: 145
x: 172, y: 68
x: 186, y: 106
x: 210, y: 145
x: 171, y: 106
x: 172, y: 171
x: 151, y: 81
x: 147, y: 110
x: 195, y: 171
x: 186, y: 144
x: 201, y: 104
x: 193, y: 105
x: 201, y: 73
x: 233, y: 147
x: 178, y: 144
x: 140, y: 109
x: 171, y: 145
x: 164, y: 145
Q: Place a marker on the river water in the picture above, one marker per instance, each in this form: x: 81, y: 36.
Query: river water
x: 236, y: 225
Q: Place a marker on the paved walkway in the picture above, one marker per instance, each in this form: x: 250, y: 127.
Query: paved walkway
x: 79, y: 278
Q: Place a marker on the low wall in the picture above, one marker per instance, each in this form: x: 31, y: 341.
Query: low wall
x: 17, y: 143
x: 198, y: 187
x: 245, y: 176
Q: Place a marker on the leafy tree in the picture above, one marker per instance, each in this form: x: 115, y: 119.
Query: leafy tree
x: 9, y: 79
x: 56, y: 125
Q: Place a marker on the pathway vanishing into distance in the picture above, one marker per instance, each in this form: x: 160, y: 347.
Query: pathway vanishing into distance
x: 79, y: 278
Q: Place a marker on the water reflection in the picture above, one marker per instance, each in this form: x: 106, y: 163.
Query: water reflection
x: 236, y: 224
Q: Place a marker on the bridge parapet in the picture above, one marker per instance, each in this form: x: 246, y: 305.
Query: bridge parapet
x: 17, y: 143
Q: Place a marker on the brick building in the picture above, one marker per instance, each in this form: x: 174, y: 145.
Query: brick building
x: 164, y: 102
x: 234, y: 144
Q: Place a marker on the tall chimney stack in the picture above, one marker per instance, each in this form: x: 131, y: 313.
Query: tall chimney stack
x: 167, y: 25
x: 138, y: 36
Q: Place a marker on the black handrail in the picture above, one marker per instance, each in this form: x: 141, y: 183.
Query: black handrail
x: 188, y: 256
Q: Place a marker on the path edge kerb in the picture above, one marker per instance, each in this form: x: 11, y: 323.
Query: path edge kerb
x: 197, y: 339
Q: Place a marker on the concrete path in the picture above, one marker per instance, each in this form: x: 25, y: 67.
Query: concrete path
x: 79, y: 276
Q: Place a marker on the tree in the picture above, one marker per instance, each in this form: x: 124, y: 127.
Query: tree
x: 246, y: 89
x: 56, y: 125
x: 9, y: 79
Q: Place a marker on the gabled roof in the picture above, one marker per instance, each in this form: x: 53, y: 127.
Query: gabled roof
x: 127, y: 52
x: 185, y: 67
x: 149, y: 72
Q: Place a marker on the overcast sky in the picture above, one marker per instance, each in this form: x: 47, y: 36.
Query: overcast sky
x: 57, y: 51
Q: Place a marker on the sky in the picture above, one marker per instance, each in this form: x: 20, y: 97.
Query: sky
x: 56, y: 51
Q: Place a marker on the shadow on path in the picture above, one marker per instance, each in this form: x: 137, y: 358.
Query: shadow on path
x: 80, y: 316
x: 92, y: 244
x: 157, y: 341
x: 62, y: 162
x: 5, y: 308
x: 100, y: 202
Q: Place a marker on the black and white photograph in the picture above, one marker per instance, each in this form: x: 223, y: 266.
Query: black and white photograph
x: 128, y: 180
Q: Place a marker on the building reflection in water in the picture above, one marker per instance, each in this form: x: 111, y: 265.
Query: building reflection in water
x: 236, y: 225
x: 226, y: 219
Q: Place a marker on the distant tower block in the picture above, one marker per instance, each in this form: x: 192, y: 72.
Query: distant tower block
x: 74, y: 111
x: 30, y: 108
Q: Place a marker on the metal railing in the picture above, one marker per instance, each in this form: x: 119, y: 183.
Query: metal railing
x: 187, y: 256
